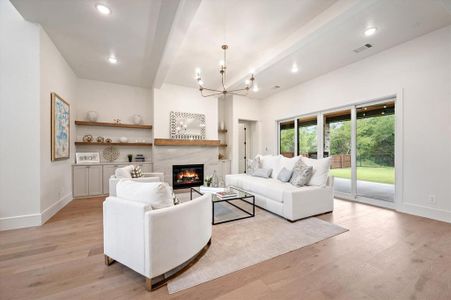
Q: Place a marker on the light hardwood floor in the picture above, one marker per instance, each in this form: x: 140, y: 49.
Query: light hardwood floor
x: 384, y: 255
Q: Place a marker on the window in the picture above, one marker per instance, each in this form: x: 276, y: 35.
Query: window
x: 307, y: 142
x: 286, y: 136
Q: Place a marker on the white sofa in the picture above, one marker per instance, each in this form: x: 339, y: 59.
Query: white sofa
x: 125, y: 173
x: 284, y: 199
x: 153, y: 242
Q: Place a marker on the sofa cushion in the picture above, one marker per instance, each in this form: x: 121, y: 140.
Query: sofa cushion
x: 124, y: 172
x: 261, y: 172
x: 320, y: 170
x: 284, y: 175
x: 253, y: 164
x: 271, y: 162
x: 156, y: 194
x: 301, y: 174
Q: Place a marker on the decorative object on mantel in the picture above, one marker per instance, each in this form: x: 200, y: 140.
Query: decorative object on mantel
x: 100, y: 139
x: 92, y: 116
x: 130, y: 157
x: 108, y: 141
x: 221, y: 156
x: 87, y: 157
x: 123, y: 139
x: 117, y: 121
x: 187, y: 126
x: 110, y: 153
x: 222, y: 126
x: 139, y: 158
x: 87, y: 138
x: 60, y: 128
x: 249, y: 83
x: 137, y: 119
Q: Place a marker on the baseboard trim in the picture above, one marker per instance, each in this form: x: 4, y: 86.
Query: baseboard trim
x: 17, y: 222
x: 426, y: 212
x: 50, y: 211
x: 32, y: 220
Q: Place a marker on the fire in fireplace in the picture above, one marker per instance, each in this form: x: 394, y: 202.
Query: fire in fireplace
x: 185, y: 176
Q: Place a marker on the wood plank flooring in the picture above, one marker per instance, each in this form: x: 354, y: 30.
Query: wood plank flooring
x: 384, y: 255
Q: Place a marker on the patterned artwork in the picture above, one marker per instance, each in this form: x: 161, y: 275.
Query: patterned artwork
x: 60, y: 114
x: 187, y: 126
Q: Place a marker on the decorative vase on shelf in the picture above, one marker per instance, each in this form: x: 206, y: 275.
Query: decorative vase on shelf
x: 130, y: 157
x: 137, y: 119
x: 92, y: 116
x: 123, y: 139
x: 214, y: 179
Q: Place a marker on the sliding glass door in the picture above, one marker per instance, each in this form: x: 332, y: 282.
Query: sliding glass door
x: 360, y: 140
x: 375, y: 146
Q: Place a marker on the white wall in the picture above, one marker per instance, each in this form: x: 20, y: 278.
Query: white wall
x: 19, y: 122
x: 56, y: 176
x: 115, y: 101
x: 421, y: 68
x: 177, y: 98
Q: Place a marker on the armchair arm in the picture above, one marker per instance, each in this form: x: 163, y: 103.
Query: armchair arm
x: 123, y: 231
x: 155, y: 174
x: 175, y: 234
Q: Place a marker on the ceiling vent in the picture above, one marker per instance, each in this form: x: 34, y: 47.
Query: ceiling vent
x: 362, y: 48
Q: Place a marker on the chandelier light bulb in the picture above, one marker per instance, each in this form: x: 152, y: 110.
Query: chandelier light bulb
x: 255, y: 88
x: 247, y: 82
x: 251, y: 71
x: 200, y: 82
x: 221, y: 63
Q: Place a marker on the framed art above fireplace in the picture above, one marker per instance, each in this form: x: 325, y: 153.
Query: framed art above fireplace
x: 187, y: 126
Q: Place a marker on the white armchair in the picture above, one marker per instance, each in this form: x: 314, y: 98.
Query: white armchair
x: 125, y: 173
x: 153, y: 242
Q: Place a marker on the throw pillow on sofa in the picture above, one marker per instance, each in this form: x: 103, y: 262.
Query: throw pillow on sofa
x: 284, y: 175
x: 320, y: 170
x: 262, y: 172
x: 156, y: 194
x: 124, y: 172
x: 253, y: 164
x: 301, y: 174
x: 137, y: 172
x: 271, y: 162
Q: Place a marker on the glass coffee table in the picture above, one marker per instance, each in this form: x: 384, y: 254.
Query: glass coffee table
x: 243, y: 196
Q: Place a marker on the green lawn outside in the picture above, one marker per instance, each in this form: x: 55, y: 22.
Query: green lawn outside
x: 379, y: 174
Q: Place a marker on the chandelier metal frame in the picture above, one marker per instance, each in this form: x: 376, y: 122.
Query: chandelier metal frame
x: 208, y: 92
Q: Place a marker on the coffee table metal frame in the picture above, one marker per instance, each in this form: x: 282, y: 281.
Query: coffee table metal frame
x: 242, y: 195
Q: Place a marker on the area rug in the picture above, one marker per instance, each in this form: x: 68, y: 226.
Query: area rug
x: 240, y: 244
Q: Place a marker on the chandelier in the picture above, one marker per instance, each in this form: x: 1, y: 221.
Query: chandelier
x: 207, y: 92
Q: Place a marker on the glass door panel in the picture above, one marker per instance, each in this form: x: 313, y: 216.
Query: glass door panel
x: 337, y: 145
x: 375, y: 145
x: 307, y: 136
x: 286, y: 136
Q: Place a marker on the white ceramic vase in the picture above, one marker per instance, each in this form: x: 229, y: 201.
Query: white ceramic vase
x: 137, y: 119
x: 222, y: 125
x: 123, y: 139
x: 92, y: 116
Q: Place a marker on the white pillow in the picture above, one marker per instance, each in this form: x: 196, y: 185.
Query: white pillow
x: 124, y: 172
x: 320, y: 170
x: 271, y: 162
x: 288, y: 163
x: 156, y: 194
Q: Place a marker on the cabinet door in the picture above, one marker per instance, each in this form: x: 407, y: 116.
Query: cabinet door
x: 95, y: 186
x: 80, y: 181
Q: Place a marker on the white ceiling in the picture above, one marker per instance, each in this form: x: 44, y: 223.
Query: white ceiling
x: 163, y: 41
x: 135, y: 33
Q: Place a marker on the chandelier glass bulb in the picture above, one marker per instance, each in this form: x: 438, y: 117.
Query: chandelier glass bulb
x: 222, y: 90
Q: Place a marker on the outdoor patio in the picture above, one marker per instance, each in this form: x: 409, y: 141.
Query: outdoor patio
x: 374, y: 190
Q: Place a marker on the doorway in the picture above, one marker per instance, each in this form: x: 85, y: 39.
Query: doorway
x: 245, y: 143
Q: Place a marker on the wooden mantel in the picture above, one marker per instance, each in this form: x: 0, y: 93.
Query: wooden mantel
x: 174, y: 142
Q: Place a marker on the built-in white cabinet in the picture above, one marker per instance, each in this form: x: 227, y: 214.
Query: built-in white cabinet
x: 93, y: 180
x: 87, y: 181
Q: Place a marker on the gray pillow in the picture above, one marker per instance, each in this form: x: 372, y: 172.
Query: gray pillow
x: 284, y: 175
x: 301, y: 174
x: 261, y: 172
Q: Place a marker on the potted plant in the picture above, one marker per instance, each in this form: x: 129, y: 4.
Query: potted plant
x: 208, y: 180
x: 130, y: 157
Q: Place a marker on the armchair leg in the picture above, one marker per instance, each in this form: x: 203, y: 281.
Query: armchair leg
x: 148, y: 284
x: 108, y: 260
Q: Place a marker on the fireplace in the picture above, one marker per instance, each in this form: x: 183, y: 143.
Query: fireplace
x: 186, y: 176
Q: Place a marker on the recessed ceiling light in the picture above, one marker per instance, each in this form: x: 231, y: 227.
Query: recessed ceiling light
x: 370, y: 31
x: 112, y: 59
x: 103, y: 9
x: 294, y: 68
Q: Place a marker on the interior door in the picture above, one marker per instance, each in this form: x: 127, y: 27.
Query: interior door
x: 242, y: 148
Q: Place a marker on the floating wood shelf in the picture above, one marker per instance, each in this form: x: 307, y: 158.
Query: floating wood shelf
x: 112, y: 144
x: 118, y: 125
x: 174, y: 142
x: 222, y: 130
x: 223, y: 145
